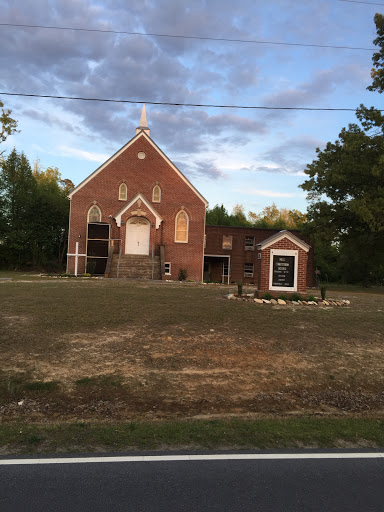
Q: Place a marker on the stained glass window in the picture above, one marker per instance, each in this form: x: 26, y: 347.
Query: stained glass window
x: 94, y: 214
x: 156, y: 194
x: 181, y: 227
x: 123, y: 192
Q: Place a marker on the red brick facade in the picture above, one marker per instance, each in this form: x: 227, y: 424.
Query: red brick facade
x: 141, y: 175
x: 264, y: 272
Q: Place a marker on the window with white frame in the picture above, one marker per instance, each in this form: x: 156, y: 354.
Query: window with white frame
x: 94, y: 214
x: 156, y: 194
x: 249, y: 243
x: 248, y: 270
x: 167, y: 269
x: 181, y: 227
x: 123, y: 192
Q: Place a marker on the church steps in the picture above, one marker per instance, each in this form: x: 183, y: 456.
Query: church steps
x: 135, y: 267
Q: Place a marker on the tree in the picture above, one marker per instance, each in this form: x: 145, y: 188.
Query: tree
x: 33, y: 214
x: 8, y: 125
x: 346, y: 193
x: 238, y: 217
x: 377, y: 72
x: 272, y: 217
x: 218, y: 216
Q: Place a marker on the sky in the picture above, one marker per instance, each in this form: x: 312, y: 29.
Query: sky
x: 252, y: 157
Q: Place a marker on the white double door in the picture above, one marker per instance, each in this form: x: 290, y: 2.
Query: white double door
x: 137, y: 236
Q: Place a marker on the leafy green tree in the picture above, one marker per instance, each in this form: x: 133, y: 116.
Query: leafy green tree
x: 346, y: 193
x: 17, y: 189
x: 33, y: 214
x: 8, y: 125
x: 238, y: 217
x: 272, y: 217
x: 377, y: 72
x: 51, y: 197
x: 218, y: 216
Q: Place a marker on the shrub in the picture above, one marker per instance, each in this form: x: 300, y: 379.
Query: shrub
x: 283, y: 297
x: 267, y: 296
x: 183, y: 274
x: 295, y: 297
x: 240, y: 289
x: 86, y: 274
x: 311, y: 298
x: 323, y: 291
x: 91, y: 265
x: 39, y: 385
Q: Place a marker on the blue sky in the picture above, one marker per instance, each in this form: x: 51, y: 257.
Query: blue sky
x: 250, y: 157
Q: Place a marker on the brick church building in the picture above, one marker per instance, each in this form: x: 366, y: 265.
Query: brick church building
x: 138, y: 216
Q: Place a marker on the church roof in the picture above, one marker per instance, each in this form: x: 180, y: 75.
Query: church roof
x: 141, y: 133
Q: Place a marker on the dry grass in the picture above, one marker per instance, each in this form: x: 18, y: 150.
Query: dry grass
x: 122, y: 350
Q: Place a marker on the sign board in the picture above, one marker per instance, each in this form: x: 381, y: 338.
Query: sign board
x: 283, y: 271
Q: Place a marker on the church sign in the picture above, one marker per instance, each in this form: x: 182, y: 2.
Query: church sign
x: 283, y: 271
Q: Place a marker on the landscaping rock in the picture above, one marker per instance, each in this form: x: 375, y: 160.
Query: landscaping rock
x: 258, y: 301
x: 273, y: 301
x: 281, y: 301
x: 266, y: 301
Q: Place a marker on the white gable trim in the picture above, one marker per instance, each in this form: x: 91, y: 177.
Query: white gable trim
x: 118, y: 153
x: 279, y: 236
x: 158, y: 217
x: 176, y: 169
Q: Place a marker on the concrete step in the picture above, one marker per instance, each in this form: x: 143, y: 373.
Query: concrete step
x: 134, y: 266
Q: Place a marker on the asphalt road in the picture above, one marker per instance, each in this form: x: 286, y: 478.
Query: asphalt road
x: 214, y: 485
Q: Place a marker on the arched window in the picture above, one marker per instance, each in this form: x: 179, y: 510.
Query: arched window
x: 94, y: 214
x: 181, y: 227
x: 156, y: 194
x: 123, y: 192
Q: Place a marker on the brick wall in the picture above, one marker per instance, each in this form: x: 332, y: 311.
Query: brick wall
x: 265, y: 263
x: 141, y: 175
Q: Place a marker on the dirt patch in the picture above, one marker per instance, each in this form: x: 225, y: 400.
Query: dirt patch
x: 150, y: 351
x: 165, y: 375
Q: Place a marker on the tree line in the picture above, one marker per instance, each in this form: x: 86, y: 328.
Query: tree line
x: 34, y: 211
x: 270, y: 217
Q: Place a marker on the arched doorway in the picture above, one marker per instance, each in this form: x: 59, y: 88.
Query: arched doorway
x: 137, y: 236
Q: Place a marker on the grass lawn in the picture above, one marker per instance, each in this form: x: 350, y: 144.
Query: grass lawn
x: 101, y: 353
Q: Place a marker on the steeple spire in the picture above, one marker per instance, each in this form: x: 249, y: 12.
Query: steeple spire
x: 143, y: 125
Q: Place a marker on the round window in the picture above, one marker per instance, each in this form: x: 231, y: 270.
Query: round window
x: 141, y: 155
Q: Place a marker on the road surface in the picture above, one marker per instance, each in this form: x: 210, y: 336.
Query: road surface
x: 247, y: 484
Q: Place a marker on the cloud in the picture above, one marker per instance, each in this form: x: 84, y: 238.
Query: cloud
x: 83, y: 155
x: 267, y: 193
x: 205, y: 169
x: 289, y: 157
x: 311, y: 92
x: 50, y: 119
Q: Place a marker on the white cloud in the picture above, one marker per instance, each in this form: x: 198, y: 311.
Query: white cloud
x: 267, y: 193
x: 83, y: 155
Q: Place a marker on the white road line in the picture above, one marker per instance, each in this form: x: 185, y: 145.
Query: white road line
x: 183, y: 458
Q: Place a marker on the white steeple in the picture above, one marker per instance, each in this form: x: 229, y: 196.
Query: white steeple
x: 143, y: 125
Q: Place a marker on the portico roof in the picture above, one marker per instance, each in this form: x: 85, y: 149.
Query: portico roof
x: 126, y: 207
x: 284, y: 234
